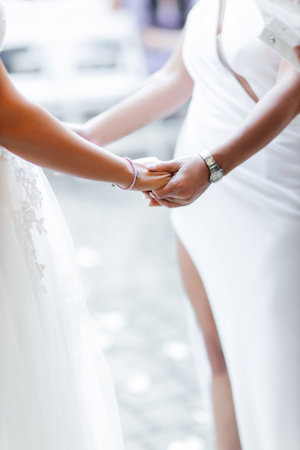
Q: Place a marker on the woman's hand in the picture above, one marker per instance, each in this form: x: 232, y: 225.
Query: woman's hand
x: 190, y: 180
x: 149, y: 181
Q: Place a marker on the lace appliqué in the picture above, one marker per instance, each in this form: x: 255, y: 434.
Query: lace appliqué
x: 26, y: 217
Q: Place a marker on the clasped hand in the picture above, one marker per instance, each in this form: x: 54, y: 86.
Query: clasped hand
x: 172, y: 183
x: 189, y: 179
x: 150, y: 180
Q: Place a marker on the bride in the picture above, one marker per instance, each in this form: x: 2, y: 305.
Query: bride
x: 55, y: 389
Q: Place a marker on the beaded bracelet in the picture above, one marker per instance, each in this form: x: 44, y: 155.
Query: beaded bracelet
x: 136, y: 175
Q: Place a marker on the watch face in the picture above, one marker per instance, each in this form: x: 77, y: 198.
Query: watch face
x: 217, y: 175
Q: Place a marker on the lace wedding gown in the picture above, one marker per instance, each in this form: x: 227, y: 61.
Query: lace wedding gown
x: 244, y: 233
x: 55, y: 388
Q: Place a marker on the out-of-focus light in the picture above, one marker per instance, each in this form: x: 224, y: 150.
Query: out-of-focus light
x: 88, y: 257
x: 111, y: 322
x: 105, y: 340
x: 138, y: 384
x: 203, y: 417
x: 192, y: 443
x: 176, y: 350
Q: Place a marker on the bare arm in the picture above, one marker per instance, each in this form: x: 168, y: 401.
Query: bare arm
x: 266, y: 120
x: 161, y: 95
x: 297, y: 51
x: 30, y: 132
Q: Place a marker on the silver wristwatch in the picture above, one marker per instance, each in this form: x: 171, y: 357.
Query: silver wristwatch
x: 216, y: 173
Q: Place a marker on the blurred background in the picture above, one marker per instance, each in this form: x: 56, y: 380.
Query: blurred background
x: 78, y: 58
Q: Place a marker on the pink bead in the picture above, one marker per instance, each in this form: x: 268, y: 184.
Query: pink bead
x: 135, y: 176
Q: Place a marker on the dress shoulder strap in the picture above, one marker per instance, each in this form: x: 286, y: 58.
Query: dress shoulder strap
x: 243, y: 82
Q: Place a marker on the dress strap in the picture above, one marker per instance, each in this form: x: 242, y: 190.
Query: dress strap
x: 243, y: 82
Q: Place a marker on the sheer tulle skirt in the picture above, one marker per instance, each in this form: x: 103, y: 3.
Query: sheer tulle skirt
x: 55, y: 388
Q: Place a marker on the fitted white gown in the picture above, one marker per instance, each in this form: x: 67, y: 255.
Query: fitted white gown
x: 55, y: 388
x: 243, y: 234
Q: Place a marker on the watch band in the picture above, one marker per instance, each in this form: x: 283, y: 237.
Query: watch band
x: 216, y: 173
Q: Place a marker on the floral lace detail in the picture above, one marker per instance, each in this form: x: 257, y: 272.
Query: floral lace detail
x: 26, y: 217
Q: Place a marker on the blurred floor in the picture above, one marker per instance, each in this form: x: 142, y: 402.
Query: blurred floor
x: 128, y: 261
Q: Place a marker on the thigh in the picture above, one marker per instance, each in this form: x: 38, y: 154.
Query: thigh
x: 196, y: 292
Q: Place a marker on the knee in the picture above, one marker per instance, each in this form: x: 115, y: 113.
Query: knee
x: 215, y: 355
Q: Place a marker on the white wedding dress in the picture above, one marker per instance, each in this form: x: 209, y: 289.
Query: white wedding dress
x: 56, y: 392
x: 244, y: 233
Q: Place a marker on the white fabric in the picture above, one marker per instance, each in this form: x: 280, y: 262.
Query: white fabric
x: 244, y: 232
x: 282, y: 27
x: 55, y: 388
x: 56, y: 392
x: 2, y: 24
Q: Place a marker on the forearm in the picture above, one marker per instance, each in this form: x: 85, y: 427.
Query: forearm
x: 36, y: 136
x: 267, y: 119
x: 162, y: 94
x: 31, y: 133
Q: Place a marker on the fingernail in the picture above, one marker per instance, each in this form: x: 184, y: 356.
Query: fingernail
x: 152, y: 195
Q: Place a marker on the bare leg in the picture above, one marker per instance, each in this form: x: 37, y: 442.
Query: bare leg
x: 225, y: 421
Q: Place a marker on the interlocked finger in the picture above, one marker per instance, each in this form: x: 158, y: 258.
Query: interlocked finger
x: 172, y: 199
x: 168, y: 204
